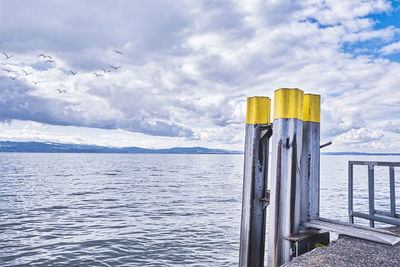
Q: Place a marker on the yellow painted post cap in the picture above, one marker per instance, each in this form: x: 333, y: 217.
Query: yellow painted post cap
x: 312, y: 108
x: 258, y: 110
x: 288, y: 103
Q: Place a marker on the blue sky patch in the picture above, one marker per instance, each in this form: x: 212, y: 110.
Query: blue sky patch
x: 386, y: 19
x: 373, y: 46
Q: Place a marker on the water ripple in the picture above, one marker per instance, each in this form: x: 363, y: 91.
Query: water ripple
x: 119, y: 210
x: 135, y: 210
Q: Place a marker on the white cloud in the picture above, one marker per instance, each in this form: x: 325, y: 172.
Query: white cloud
x: 345, y: 12
x: 391, y: 48
x: 392, y: 127
x: 361, y: 135
x: 188, y: 67
x: 384, y: 34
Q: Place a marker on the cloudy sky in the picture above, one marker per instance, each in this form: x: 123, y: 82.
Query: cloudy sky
x: 187, y: 67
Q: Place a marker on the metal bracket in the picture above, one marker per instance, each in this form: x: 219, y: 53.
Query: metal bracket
x: 307, y: 240
x: 326, y: 144
x: 266, y: 132
x: 294, y: 250
x: 265, y: 200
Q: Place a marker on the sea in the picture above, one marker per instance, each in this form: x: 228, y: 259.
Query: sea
x: 145, y: 209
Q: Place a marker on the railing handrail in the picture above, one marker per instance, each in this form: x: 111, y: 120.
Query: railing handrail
x: 375, y: 163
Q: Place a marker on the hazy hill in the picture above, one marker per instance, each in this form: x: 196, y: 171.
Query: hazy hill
x: 38, y: 147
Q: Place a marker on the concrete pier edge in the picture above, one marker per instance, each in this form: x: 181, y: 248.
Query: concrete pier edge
x: 351, y: 252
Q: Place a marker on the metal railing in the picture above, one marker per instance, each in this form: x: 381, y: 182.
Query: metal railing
x: 374, y: 215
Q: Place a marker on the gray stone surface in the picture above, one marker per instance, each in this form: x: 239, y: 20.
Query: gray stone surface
x: 350, y: 251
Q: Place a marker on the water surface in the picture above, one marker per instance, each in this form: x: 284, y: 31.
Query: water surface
x: 140, y: 209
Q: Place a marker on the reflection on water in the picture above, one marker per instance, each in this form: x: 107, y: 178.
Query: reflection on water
x: 138, y: 210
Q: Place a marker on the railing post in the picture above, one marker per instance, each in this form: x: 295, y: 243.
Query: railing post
x: 350, y: 192
x: 371, y: 194
x: 392, y: 192
x: 310, y: 156
x: 255, y: 179
x: 284, y: 214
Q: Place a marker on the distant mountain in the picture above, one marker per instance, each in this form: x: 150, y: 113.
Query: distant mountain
x: 38, y: 147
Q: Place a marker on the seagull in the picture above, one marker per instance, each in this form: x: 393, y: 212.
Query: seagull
x: 7, y: 56
x: 50, y: 61
x: 105, y: 71
x: 35, y: 82
x: 8, y: 70
x: 61, y: 91
x: 97, y: 74
x: 118, y: 52
x: 73, y: 72
x: 26, y: 73
x: 13, y: 78
x: 115, y: 67
x: 44, y: 56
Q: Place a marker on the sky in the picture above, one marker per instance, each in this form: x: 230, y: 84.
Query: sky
x: 160, y: 73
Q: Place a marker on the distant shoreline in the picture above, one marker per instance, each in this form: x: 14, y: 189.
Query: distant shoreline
x: 39, y: 147
x: 194, y: 153
x: 126, y: 153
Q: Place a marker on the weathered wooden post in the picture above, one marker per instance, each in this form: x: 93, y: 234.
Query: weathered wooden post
x: 285, y: 174
x: 255, y: 195
x: 309, y: 185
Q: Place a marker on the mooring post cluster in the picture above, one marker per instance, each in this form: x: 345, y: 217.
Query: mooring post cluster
x: 293, y: 195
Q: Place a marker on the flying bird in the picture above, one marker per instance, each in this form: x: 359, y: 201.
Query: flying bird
x: 118, y: 52
x: 98, y: 74
x: 50, y: 61
x: 73, y: 72
x: 35, y: 82
x: 26, y: 73
x: 13, y: 78
x: 7, y: 56
x: 8, y: 70
x: 105, y: 71
x: 115, y: 67
x: 44, y: 56
x: 61, y: 91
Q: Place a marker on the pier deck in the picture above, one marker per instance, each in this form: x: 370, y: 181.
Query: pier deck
x: 352, y: 252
